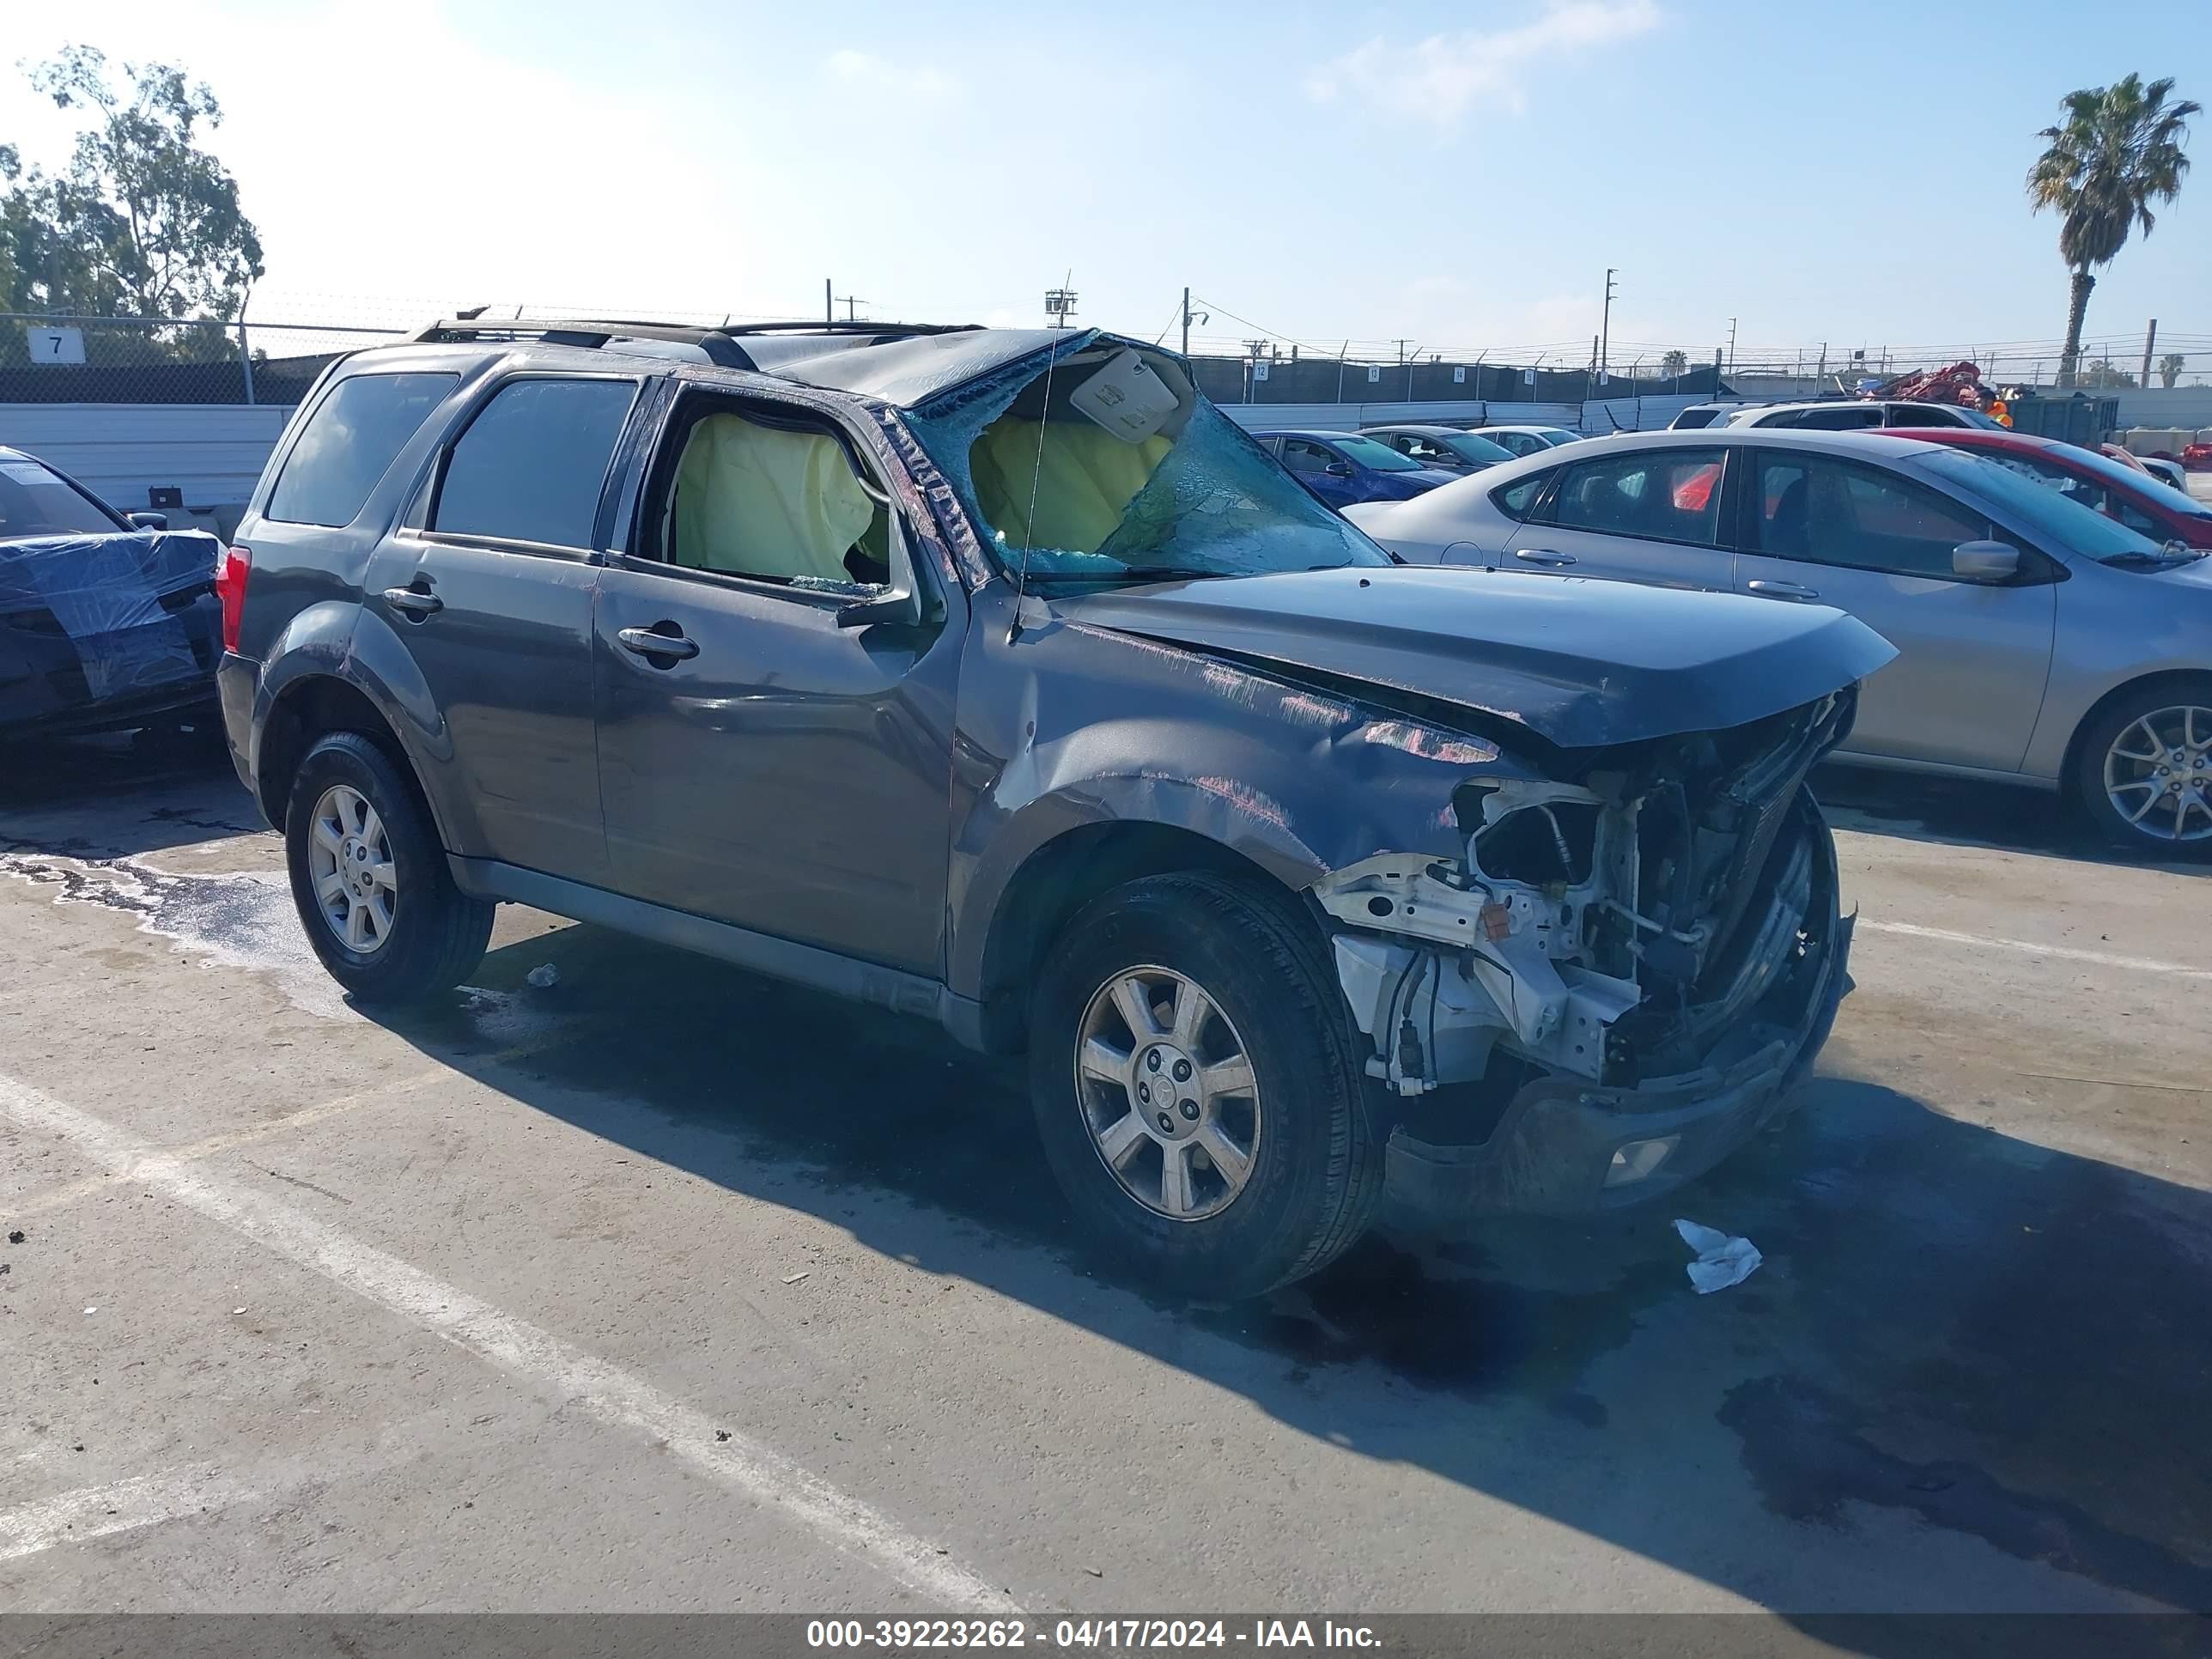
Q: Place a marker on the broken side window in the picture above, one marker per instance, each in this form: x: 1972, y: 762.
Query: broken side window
x: 1106, y: 464
x: 771, y: 496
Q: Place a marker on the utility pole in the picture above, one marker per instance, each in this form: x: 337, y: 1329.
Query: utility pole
x: 2150, y: 339
x: 1605, y: 325
x: 1731, y: 345
x: 1186, y: 321
x: 828, y: 305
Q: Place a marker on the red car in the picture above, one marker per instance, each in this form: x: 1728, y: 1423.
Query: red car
x: 2118, y: 491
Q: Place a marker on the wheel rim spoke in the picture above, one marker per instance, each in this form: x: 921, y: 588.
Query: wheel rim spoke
x: 1119, y: 1139
x: 382, y: 874
x: 1232, y: 1160
x: 329, y: 835
x: 357, y: 922
x: 1103, y: 1060
x: 1191, y: 1009
x: 1174, y: 1180
x: 1135, y: 1004
x: 1231, y: 1077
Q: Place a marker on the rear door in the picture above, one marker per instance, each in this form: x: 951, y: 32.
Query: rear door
x: 491, y: 593
x: 1649, y: 515
x: 762, y: 764
x: 1973, y: 657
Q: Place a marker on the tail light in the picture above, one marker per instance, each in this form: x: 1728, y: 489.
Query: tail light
x: 231, y: 567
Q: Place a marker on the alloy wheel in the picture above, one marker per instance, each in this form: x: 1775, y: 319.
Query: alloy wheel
x: 2158, y: 774
x: 1168, y: 1093
x: 349, y: 861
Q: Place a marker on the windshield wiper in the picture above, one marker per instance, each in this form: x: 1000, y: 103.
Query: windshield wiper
x: 1131, y: 573
x: 2144, y: 558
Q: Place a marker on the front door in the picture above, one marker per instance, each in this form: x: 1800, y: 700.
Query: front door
x: 1973, y: 657
x: 1313, y: 462
x: 491, y: 595
x: 761, y: 764
x: 1650, y: 515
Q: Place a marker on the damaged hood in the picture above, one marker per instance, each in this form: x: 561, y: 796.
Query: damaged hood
x: 1579, y: 663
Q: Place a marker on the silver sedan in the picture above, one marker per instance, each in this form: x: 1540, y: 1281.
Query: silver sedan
x: 2038, y: 641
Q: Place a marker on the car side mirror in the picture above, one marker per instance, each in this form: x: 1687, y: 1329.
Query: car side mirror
x: 146, y: 520
x: 1339, y: 469
x: 1986, y: 561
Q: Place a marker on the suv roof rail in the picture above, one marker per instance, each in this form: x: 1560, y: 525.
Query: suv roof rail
x: 719, y: 342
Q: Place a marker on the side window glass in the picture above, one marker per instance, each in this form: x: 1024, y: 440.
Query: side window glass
x: 2133, y: 517
x: 2056, y: 478
x: 1845, y: 417
x: 348, y: 443
x: 1828, y: 512
x: 1671, y: 495
x: 1920, y: 415
x: 531, y: 466
x: 1520, y: 499
x: 776, y: 503
x: 1301, y: 456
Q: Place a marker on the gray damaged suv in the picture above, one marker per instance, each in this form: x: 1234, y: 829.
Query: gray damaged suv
x: 995, y: 676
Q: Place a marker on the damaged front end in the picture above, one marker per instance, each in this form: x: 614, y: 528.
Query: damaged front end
x: 1614, y: 983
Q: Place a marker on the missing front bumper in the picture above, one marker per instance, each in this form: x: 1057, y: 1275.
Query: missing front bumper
x: 1555, y: 1147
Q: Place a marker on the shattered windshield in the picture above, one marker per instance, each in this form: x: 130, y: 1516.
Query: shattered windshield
x: 1105, y: 465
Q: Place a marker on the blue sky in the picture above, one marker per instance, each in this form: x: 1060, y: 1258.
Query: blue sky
x: 1458, y: 174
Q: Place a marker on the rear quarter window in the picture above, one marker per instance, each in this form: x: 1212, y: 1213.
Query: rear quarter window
x: 348, y: 443
x: 1519, y: 499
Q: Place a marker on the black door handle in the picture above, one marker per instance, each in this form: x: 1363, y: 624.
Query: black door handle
x: 670, y: 647
x: 414, y: 601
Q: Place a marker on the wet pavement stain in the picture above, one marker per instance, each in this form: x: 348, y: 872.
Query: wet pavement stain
x: 243, y: 919
x: 1805, y: 1449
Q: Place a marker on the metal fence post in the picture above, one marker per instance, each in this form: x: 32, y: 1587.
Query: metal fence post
x: 245, y: 356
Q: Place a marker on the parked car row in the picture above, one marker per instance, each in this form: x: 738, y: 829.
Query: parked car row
x: 997, y: 676
x: 1398, y: 461
x: 2052, y: 609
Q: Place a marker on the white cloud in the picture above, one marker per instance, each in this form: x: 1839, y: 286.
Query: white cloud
x: 1437, y: 79
x: 862, y: 71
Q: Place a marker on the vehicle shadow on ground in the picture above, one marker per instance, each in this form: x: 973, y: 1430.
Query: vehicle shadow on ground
x: 120, y: 794
x: 2006, y: 817
x: 1990, y: 1337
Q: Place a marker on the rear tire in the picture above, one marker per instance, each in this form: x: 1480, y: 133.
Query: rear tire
x: 1297, y: 1116
x: 2117, y: 764
x: 431, y: 935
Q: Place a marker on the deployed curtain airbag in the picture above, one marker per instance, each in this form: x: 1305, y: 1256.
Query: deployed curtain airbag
x: 755, y: 500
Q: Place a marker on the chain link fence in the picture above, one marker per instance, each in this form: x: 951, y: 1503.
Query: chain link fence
x: 152, y: 360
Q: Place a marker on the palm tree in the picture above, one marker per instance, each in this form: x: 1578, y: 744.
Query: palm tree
x: 2119, y: 150
x: 2170, y: 367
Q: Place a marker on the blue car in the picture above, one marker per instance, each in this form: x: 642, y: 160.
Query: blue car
x: 104, y: 621
x: 1343, y: 468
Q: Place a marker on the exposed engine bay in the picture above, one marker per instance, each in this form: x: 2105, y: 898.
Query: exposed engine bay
x: 1623, y: 925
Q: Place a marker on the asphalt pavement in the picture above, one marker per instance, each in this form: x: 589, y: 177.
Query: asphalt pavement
x: 662, y: 1287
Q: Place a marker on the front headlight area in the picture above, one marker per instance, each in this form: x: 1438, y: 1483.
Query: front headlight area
x: 1442, y: 960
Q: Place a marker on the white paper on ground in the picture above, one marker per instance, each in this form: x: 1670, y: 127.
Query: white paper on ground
x: 1721, y: 1261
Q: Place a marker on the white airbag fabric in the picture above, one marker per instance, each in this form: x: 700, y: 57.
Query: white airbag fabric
x: 758, y: 501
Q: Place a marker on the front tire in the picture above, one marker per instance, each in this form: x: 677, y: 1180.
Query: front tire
x: 2142, y: 770
x: 1197, y: 1089
x: 370, y: 880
